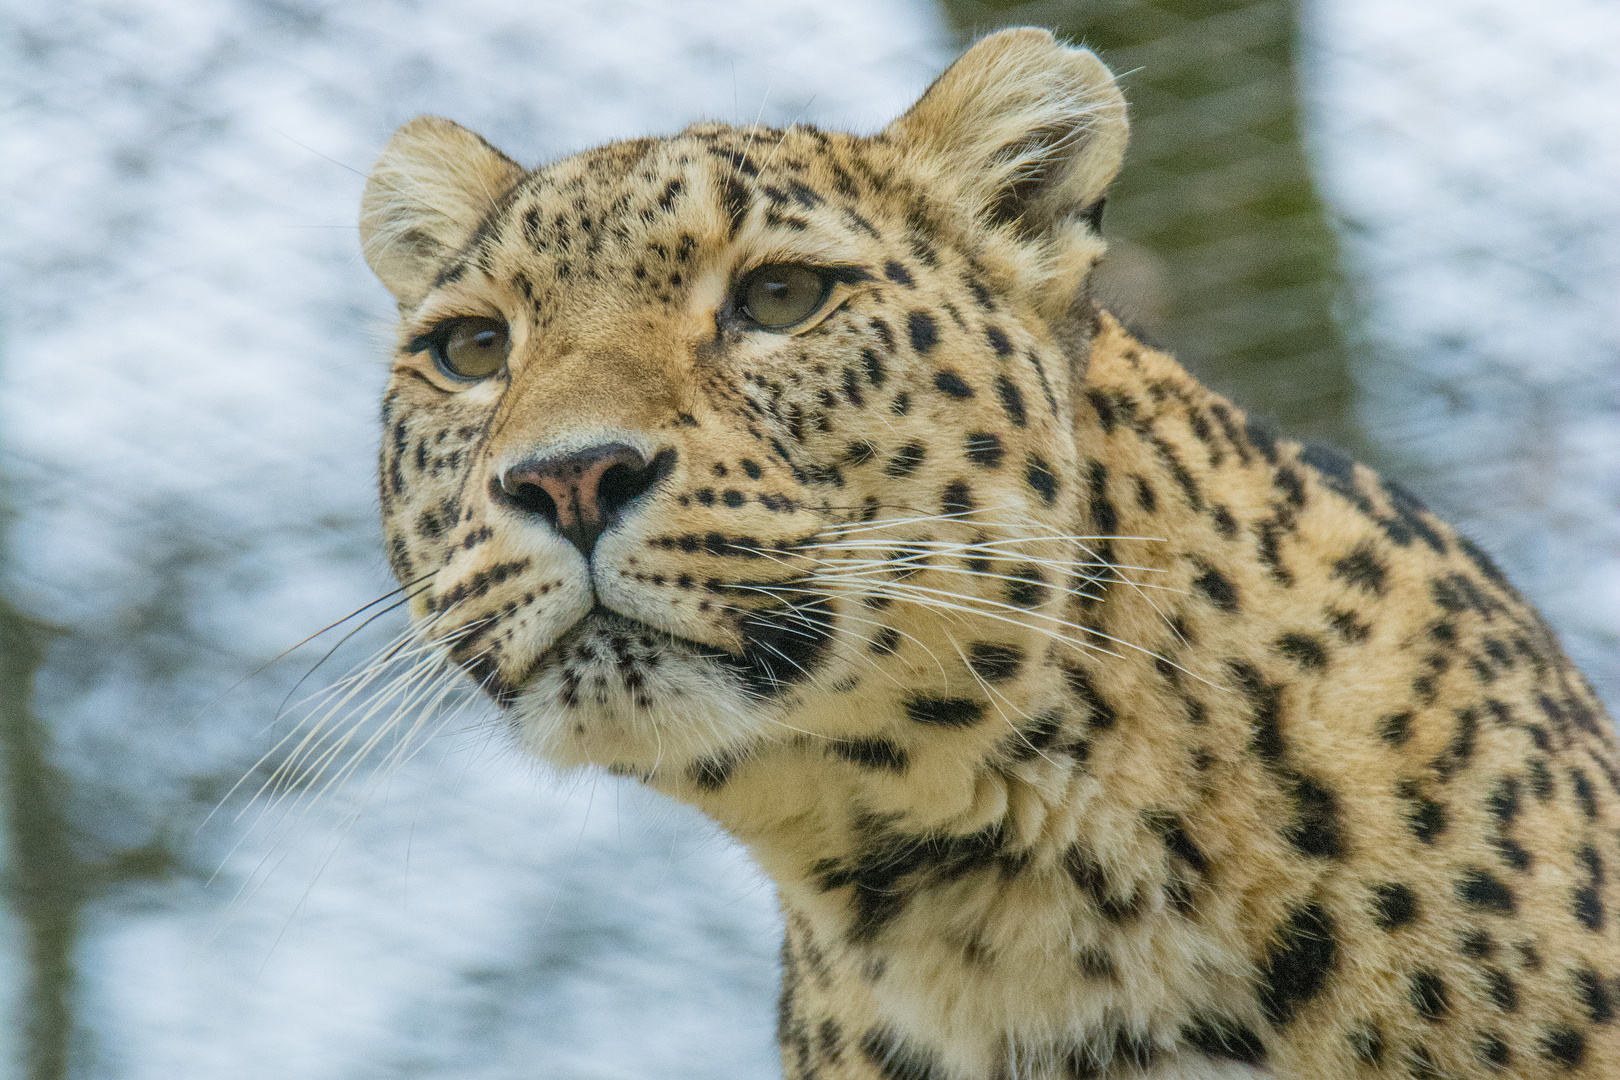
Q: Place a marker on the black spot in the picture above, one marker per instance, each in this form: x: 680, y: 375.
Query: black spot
x: 923, y: 330
x: 886, y: 641
x: 945, y: 712
x: 852, y: 388
x: 886, y: 873
x: 1315, y: 829
x: 1104, y: 409
x: 733, y: 498
x: 1145, y: 497
x: 894, y: 1061
x: 1426, y: 818
x: 1429, y: 996
x: 1564, y: 1045
x: 1477, y: 944
x: 1218, y: 588
x: 1304, y: 650
x: 994, y: 662
x: 872, y: 754
x: 1541, y: 779
x: 1584, y: 794
x: 781, y: 646
x: 1493, y: 1051
x: 1026, y: 587
x: 1363, y: 569
x: 1088, y: 874
x: 1012, y: 401
x: 1394, y: 905
x: 1184, y: 479
x: 1502, y: 990
x: 830, y: 1039
x: 1101, y: 713
x: 984, y: 449
x: 1482, y: 889
x: 958, y: 499
x: 1366, y: 1042
x: 1396, y: 728
x: 859, y: 452
x: 906, y: 460
x: 1303, y: 953
x: 998, y: 340
x: 1038, y: 474
x: 1265, y: 704
x: 1512, y: 852
x: 1173, y: 831
x: 1288, y: 482
x: 1420, y: 1064
x: 1483, y: 563
x: 1461, y: 748
x: 897, y: 274
x: 1594, y: 995
x: 711, y: 773
x: 1028, y: 743
x: 733, y: 197
x: 1409, y: 521
x: 1103, y: 515
x: 1503, y: 801
x: 1223, y: 1037
x: 1587, y: 904
x: 949, y: 382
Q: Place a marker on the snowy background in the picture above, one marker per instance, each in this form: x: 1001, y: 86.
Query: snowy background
x: 190, y: 353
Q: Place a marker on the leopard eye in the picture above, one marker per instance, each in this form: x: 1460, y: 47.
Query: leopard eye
x: 776, y: 297
x: 470, y: 348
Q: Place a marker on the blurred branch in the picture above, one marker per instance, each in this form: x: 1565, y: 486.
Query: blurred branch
x: 46, y: 883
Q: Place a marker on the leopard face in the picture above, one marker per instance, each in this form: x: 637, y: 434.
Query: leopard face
x: 755, y: 416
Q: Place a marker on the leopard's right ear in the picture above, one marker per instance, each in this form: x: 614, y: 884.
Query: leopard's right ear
x: 434, y: 184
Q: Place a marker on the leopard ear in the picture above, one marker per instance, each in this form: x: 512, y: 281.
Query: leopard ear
x: 434, y: 184
x: 1032, y: 129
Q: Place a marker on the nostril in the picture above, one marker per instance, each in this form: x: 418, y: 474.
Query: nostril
x: 527, y: 496
x: 623, y: 482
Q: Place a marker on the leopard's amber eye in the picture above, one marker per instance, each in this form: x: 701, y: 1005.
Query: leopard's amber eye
x: 470, y: 348
x: 776, y: 297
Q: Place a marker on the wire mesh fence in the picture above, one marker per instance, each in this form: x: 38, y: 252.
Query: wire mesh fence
x: 1392, y: 227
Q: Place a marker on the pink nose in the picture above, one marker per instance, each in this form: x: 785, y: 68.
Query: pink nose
x: 582, y: 495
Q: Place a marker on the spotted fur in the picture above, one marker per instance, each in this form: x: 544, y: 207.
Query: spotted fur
x: 1087, y: 728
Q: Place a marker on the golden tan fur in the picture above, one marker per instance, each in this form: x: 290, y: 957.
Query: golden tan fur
x: 1086, y: 729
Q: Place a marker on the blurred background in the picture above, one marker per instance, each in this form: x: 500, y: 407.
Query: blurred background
x: 1392, y: 226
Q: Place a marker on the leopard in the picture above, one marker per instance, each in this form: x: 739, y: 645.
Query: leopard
x: 1086, y: 726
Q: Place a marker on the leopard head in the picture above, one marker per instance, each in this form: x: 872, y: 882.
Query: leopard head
x: 688, y: 439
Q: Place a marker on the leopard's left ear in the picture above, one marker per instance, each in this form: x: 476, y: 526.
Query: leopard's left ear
x: 1030, y: 130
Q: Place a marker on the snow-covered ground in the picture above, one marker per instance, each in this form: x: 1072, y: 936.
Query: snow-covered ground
x: 189, y: 366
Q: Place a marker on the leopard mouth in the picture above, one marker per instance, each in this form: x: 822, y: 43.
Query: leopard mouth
x: 783, y: 646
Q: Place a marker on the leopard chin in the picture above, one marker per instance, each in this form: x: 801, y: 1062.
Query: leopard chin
x: 618, y: 692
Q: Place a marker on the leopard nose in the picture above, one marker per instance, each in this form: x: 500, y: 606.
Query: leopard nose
x: 582, y: 495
